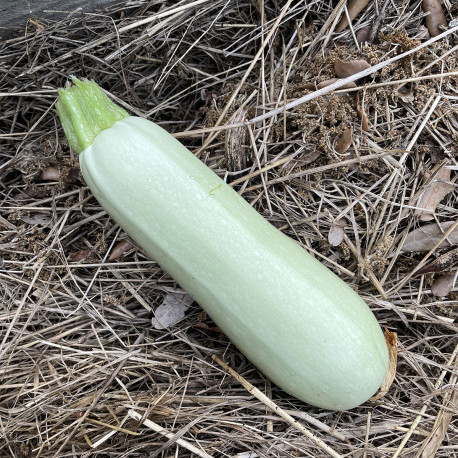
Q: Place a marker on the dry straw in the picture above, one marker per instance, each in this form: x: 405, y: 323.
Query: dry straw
x: 83, y: 371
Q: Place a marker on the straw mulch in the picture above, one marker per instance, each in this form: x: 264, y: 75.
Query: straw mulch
x: 83, y: 370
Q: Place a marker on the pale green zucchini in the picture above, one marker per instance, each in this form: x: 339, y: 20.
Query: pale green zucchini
x: 302, y: 326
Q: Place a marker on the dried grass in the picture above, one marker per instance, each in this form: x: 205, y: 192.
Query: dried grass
x: 83, y: 372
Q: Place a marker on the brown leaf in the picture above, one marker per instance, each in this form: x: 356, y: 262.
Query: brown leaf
x: 345, y: 141
x: 345, y: 69
x: 432, y: 195
x: 363, y: 115
x: 426, y: 237
x: 37, y: 218
x: 310, y: 156
x: 50, y: 174
x: 207, y: 327
x: 441, y: 264
x: 172, y: 310
x: 354, y: 7
x: 119, y: 250
x: 422, y: 33
x: 304, y: 87
x: 334, y: 80
x: 336, y: 233
x: 80, y: 255
x: 364, y: 34
x: 443, y: 284
x: 405, y: 94
x: 436, y: 17
x: 391, y: 339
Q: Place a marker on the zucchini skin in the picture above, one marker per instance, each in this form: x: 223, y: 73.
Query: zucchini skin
x: 302, y: 326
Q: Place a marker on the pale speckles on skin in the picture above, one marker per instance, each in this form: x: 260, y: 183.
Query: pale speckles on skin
x: 280, y: 306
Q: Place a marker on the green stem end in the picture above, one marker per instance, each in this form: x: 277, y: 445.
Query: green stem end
x: 84, y: 111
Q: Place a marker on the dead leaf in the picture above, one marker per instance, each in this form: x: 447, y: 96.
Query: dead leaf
x: 436, y: 17
x: 120, y: 249
x: 434, y: 192
x: 443, y: 284
x: 422, y: 33
x: 426, y: 237
x: 441, y: 264
x: 310, y: 156
x: 363, y: 115
x: 304, y: 87
x: 50, y: 174
x: 35, y: 219
x: 354, y: 7
x: 172, y: 310
x: 364, y: 35
x: 405, y: 94
x: 345, y: 141
x: 326, y: 83
x: 391, y: 339
x: 207, y: 96
x: 32, y: 193
x: 208, y: 328
x: 336, y: 235
x: 345, y: 69
x: 80, y: 255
